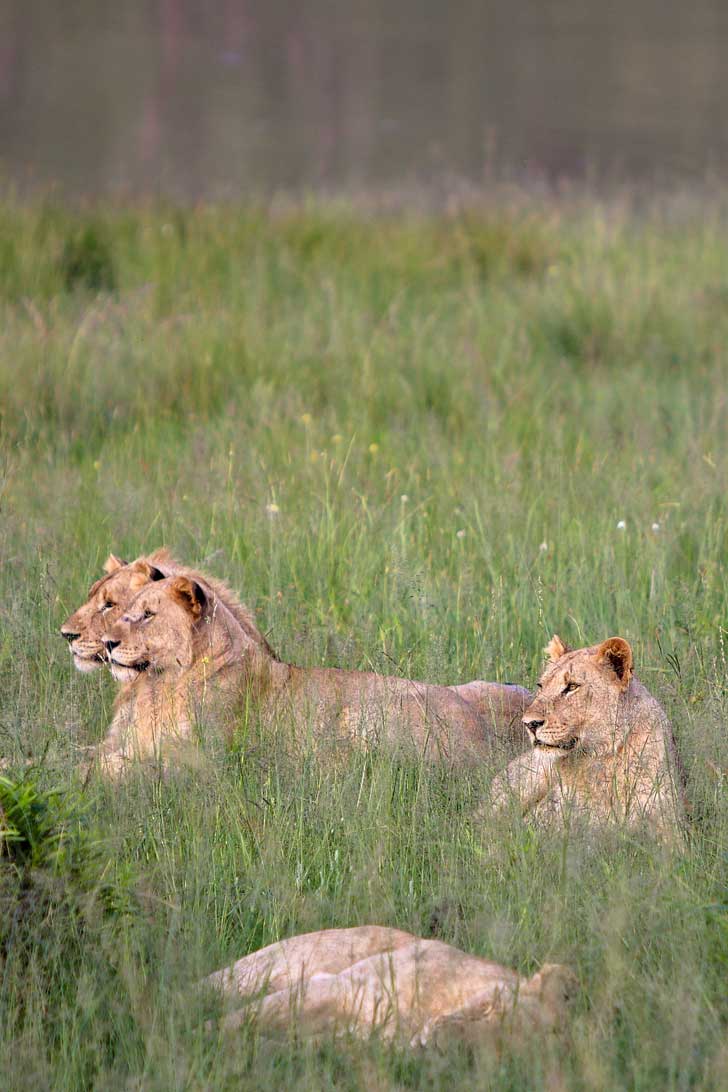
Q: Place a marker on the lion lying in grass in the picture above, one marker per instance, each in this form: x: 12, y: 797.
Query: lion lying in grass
x: 498, y: 707
x: 602, y: 745
x: 183, y: 658
x: 374, y: 979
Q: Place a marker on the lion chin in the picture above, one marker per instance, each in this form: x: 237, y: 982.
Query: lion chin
x: 86, y: 664
x: 561, y: 747
x: 126, y: 674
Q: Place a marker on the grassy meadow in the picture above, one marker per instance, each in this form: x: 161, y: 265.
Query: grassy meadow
x: 414, y: 443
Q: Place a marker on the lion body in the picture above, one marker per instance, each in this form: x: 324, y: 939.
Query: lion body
x: 363, y: 707
x: 201, y: 666
x: 375, y: 979
x: 502, y: 704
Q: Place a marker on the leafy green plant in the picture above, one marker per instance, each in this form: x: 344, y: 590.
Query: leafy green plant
x: 33, y: 823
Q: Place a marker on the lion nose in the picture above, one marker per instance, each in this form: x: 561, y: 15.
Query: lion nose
x: 109, y: 643
x: 533, y: 725
x: 69, y: 635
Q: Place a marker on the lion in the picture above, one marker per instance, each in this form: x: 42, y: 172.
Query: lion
x: 373, y: 979
x: 184, y: 659
x: 501, y: 704
x: 109, y: 597
x: 602, y: 746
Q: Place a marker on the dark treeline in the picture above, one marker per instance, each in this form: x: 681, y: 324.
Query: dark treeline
x: 198, y: 99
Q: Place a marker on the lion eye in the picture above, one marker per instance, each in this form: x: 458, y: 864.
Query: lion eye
x: 148, y: 614
x: 570, y: 688
x: 107, y: 606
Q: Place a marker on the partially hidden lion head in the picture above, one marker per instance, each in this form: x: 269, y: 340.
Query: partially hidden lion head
x: 107, y: 600
x: 578, y: 696
x: 161, y: 628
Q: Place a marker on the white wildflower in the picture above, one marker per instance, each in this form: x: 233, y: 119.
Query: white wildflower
x: 655, y: 527
x: 621, y: 525
x: 460, y: 533
x: 544, y: 547
x: 272, y: 509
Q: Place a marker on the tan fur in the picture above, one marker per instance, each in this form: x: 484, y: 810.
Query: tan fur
x: 109, y: 597
x: 194, y: 647
x: 105, y: 604
x: 202, y: 664
x: 602, y: 745
x: 374, y: 979
x: 501, y: 704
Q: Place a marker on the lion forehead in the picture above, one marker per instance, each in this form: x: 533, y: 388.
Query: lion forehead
x: 116, y: 585
x: 114, y: 588
x: 160, y: 598
x: 154, y: 595
x: 579, y: 665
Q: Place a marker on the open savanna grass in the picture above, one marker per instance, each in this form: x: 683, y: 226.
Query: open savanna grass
x: 413, y: 443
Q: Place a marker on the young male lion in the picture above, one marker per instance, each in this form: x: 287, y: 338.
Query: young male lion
x: 375, y: 979
x: 184, y: 658
x: 602, y: 745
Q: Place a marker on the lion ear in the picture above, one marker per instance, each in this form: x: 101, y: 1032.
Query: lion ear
x: 556, y: 648
x: 113, y: 564
x: 616, y: 654
x: 145, y: 573
x: 190, y: 594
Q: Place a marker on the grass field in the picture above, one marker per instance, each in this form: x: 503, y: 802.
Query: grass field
x: 413, y: 443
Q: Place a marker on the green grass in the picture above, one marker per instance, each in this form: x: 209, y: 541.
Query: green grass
x: 452, y: 415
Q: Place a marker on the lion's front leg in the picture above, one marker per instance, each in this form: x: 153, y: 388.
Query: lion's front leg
x: 122, y: 745
x: 527, y: 779
x: 111, y: 761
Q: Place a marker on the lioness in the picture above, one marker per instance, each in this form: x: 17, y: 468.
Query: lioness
x: 602, y: 745
x: 184, y: 656
x: 372, y: 978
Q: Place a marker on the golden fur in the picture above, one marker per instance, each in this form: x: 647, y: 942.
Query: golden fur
x: 602, y: 745
x: 105, y: 604
x: 178, y: 654
x: 109, y: 597
x: 184, y: 658
x: 375, y: 979
x: 502, y: 704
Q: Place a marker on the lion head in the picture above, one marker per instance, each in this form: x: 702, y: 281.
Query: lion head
x: 161, y: 629
x: 578, y: 696
x: 107, y: 601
